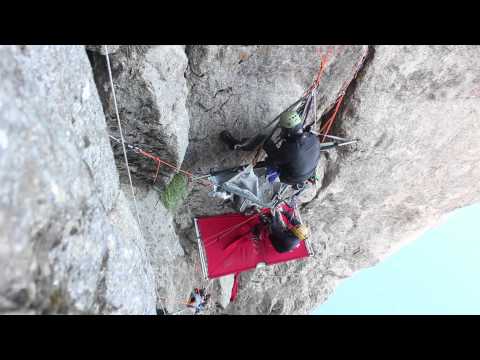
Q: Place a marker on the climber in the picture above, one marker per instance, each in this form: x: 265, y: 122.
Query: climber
x: 198, y: 300
x: 284, y: 229
x: 296, y: 159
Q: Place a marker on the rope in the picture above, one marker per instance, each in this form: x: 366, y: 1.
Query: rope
x: 326, y: 128
x: 156, y: 174
x: 159, y: 161
x: 228, y: 230
x: 124, y: 150
x: 312, y: 88
x: 121, y: 132
x: 318, y: 76
x: 306, y: 109
x: 209, y: 283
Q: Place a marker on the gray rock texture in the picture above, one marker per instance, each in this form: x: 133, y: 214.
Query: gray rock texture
x: 58, y: 248
x: 151, y: 93
x: 70, y: 241
x: 101, y: 48
x: 242, y: 88
x: 375, y: 196
x: 129, y: 282
x: 173, y: 274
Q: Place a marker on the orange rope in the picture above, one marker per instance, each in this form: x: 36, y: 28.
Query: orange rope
x: 160, y: 161
x: 157, y: 159
x: 328, y: 124
x: 318, y: 76
x: 326, y: 127
x: 315, y: 84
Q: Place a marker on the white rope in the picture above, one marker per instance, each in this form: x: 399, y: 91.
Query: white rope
x: 124, y: 150
x: 209, y: 283
x: 121, y: 134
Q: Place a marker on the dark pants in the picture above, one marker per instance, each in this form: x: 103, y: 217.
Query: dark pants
x: 250, y: 144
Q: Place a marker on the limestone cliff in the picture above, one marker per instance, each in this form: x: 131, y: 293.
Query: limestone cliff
x: 70, y: 241
x: 416, y: 111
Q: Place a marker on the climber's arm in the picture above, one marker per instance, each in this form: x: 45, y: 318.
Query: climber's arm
x: 277, y: 156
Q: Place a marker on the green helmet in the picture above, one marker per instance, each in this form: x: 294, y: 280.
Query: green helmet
x: 290, y: 119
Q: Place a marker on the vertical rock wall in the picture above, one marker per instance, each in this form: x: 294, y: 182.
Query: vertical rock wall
x: 69, y: 237
x: 60, y: 249
x: 151, y: 93
x: 415, y: 110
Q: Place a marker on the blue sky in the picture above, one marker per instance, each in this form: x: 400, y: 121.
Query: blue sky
x: 439, y: 273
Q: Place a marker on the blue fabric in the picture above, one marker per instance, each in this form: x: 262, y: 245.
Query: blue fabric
x: 272, y: 174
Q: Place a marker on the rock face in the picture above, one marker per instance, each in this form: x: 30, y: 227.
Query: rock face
x: 66, y: 236
x: 129, y: 280
x: 242, y: 88
x: 151, y: 93
x: 70, y: 241
x: 174, y: 276
x: 416, y: 111
x: 101, y: 48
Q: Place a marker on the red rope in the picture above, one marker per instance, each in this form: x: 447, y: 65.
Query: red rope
x: 318, y: 76
x: 160, y: 161
x: 157, y: 159
x: 228, y: 230
x: 314, y: 85
x: 326, y: 128
x: 156, y: 174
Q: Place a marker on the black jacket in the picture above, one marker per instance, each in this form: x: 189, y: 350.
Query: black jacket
x: 283, y: 239
x: 296, y: 159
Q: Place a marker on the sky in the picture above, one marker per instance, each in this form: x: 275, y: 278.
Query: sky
x: 439, y: 273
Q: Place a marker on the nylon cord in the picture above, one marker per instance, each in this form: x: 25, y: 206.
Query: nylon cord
x: 124, y: 150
